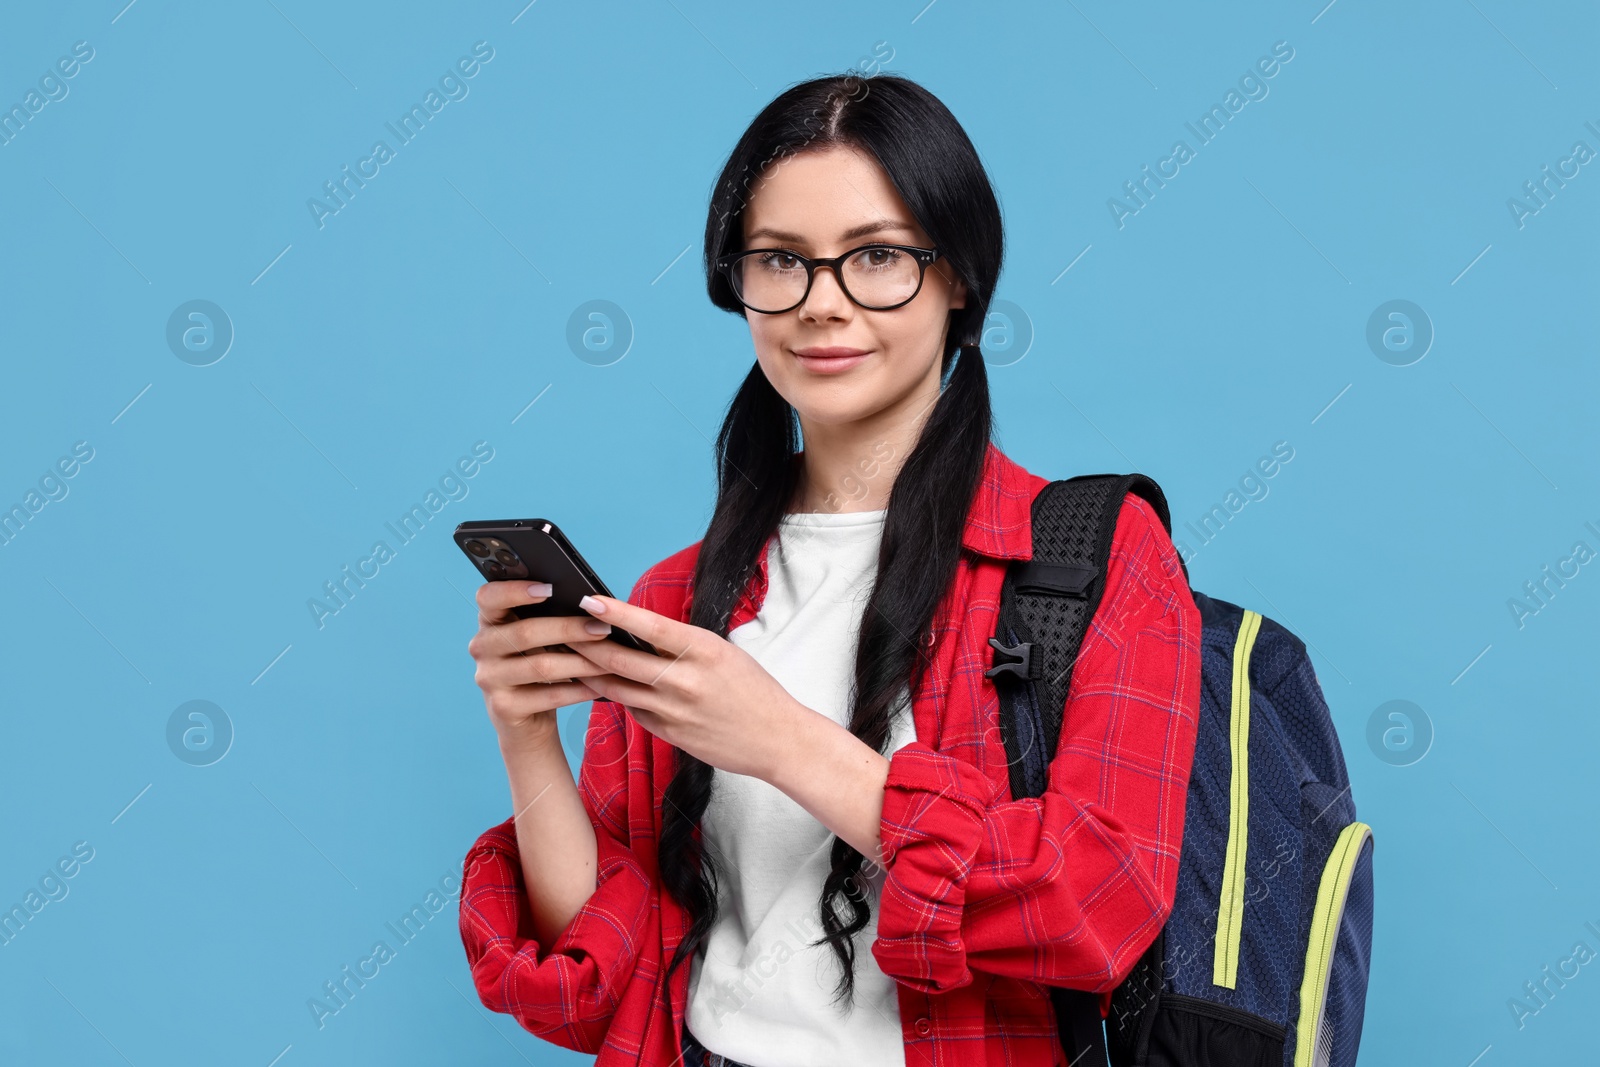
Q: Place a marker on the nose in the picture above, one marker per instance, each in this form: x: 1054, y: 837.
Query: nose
x: 826, y: 292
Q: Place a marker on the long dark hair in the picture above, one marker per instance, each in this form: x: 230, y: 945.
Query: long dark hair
x: 938, y: 174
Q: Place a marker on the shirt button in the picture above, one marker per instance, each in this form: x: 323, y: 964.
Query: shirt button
x: 923, y: 1027
x: 928, y: 639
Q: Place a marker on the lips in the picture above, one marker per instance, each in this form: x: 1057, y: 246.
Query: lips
x: 830, y: 360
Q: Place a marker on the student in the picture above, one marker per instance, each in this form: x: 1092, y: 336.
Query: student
x: 792, y: 840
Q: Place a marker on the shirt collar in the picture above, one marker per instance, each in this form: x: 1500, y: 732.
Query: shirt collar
x: 1000, y: 518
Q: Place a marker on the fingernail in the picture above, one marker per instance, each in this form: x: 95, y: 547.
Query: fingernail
x: 595, y: 626
x: 539, y: 589
x: 589, y: 603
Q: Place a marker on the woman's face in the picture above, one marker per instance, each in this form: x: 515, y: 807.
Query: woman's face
x: 821, y: 203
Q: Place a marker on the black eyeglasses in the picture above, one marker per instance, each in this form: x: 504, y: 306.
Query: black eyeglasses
x: 878, y: 277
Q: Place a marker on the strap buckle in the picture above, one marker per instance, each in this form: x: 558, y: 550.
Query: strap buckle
x: 1019, y: 662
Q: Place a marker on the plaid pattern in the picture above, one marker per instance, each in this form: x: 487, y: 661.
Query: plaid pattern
x: 986, y: 899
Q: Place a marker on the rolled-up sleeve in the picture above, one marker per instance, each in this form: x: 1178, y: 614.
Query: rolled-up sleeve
x: 1070, y: 887
x: 566, y: 991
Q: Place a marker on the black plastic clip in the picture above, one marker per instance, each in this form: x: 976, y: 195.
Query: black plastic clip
x: 1020, y: 662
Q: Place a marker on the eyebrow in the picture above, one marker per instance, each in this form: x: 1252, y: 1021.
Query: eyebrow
x: 851, y: 234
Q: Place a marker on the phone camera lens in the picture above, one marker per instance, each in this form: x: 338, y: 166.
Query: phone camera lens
x: 506, y: 556
x: 496, y: 571
x: 477, y: 548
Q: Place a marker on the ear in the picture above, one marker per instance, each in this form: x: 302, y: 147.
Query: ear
x: 958, y: 297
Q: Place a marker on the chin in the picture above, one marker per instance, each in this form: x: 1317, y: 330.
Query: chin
x: 833, y: 414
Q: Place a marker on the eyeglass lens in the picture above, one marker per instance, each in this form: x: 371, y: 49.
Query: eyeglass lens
x: 875, y: 277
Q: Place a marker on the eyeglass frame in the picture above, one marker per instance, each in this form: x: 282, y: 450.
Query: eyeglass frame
x: 924, y: 257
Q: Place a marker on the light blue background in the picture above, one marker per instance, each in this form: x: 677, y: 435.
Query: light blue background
x: 1228, y: 314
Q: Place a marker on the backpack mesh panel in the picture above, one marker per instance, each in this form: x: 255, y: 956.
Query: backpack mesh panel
x: 1068, y: 529
x: 1352, y: 962
x: 1269, y: 951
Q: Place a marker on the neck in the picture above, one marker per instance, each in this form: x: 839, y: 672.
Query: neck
x: 852, y: 467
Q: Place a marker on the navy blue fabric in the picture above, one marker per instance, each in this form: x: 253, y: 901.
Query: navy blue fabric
x: 1270, y: 947
x: 1299, y: 801
x: 1352, y: 960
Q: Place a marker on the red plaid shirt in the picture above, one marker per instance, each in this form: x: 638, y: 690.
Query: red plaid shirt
x: 986, y: 899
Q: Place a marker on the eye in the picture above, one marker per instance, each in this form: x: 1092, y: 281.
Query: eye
x: 879, y: 258
x: 777, y: 261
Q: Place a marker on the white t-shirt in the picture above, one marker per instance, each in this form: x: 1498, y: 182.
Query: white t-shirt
x: 761, y: 993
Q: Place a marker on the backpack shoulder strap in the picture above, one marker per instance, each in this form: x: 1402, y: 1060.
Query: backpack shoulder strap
x: 1046, y: 605
x: 1048, y: 601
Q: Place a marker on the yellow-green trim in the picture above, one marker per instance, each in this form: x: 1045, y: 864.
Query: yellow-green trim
x: 1230, y: 908
x: 1324, y: 935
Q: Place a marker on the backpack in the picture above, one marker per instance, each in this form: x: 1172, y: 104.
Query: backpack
x: 1263, y: 961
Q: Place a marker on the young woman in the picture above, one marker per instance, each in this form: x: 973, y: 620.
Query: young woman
x: 792, y: 840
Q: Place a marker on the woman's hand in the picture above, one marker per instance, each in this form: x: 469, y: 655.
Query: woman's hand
x: 523, y: 680
x: 710, y: 698
x: 522, y: 676
x: 702, y: 694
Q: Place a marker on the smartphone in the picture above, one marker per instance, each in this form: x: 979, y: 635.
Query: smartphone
x: 537, y: 550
